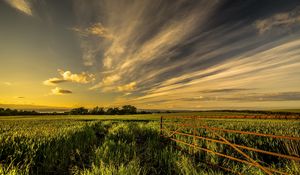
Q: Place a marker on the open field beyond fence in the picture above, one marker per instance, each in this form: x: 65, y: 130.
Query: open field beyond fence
x: 212, y: 143
x: 233, y: 142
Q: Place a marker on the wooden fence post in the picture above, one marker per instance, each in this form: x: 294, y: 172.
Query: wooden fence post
x: 194, y: 133
x: 161, y: 124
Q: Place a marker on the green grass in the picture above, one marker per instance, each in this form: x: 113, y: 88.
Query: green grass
x: 132, y: 145
x: 155, y: 116
x: 276, y: 127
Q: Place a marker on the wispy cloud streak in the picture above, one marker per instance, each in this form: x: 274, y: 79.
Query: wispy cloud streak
x: 159, y: 52
x: 21, y: 5
x: 280, y: 21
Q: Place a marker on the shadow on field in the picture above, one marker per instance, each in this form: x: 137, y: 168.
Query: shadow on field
x: 133, y: 147
x: 137, y: 148
x: 86, y: 120
x: 59, y: 155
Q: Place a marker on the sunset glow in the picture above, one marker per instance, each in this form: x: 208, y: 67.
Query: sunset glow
x: 153, y: 54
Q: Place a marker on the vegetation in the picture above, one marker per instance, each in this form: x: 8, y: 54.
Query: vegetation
x: 90, y: 145
x: 129, y: 109
x: 9, y: 112
x: 275, y: 127
x: 124, y: 110
x: 278, y: 112
x: 79, y: 111
x: 92, y: 148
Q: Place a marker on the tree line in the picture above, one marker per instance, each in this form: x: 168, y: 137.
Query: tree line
x: 7, y: 111
x: 126, y: 109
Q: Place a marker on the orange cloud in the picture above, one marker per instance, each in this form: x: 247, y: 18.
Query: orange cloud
x: 82, y: 78
x: 127, y: 87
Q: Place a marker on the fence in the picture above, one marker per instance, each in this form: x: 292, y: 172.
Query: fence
x: 171, y: 126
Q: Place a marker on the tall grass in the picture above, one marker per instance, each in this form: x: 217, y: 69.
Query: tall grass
x: 277, y: 127
x: 137, y: 148
x: 79, y: 145
x: 46, y: 147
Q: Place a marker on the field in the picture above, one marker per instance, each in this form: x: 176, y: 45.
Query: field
x: 132, y: 145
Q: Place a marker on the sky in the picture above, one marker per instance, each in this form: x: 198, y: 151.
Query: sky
x: 154, y: 54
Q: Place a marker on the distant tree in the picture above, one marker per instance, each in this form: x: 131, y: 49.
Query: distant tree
x: 128, y: 109
x: 97, y: 111
x: 113, y: 111
x: 79, y: 111
x: 145, y: 112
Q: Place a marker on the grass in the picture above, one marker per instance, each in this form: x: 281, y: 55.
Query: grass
x: 136, y: 148
x: 277, y: 127
x: 155, y: 116
x: 132, y: 145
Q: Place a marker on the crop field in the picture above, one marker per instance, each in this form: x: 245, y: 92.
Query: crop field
x: 133, y: 144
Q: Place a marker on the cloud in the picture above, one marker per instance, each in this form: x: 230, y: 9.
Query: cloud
x: 174, y: 51
x: 19, y: 97
x: 107, y: 62
x: 115, y: 50
x: 68, y: 76
x: 110, y: 79
x: 107, y: 81
x: 109, y: 84
x: 230, y: 81
x: 90, y: 50
x: 127, y: 87
x: 83, y: 77
x: 252, y: 97
x: 59, y: 91
x: 100, y: 31
x: 7, y: 83
x: 231, y: 90
x: 21, y: 5
x: 89, y: 53
x: 53, y: 81
x: 127, y: 43
x: 278, y: 96
x: 280, y: 20
x: 96, y: 29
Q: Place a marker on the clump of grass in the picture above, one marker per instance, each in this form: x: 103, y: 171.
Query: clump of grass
x: 139, y: 148
x: 133, y: 167
x: 33, y: 152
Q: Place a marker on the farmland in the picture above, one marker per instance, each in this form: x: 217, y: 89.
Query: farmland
x: 131, y: 144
